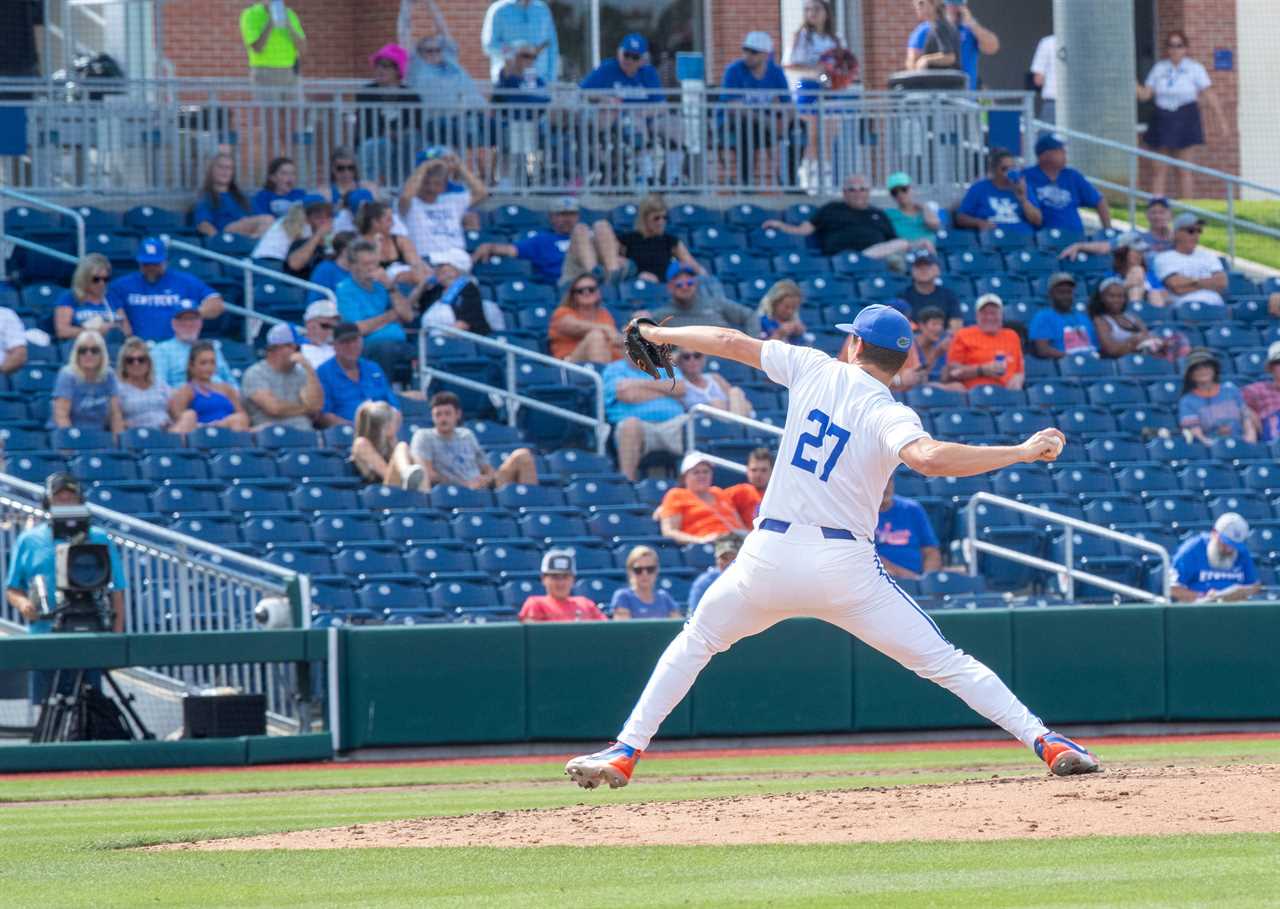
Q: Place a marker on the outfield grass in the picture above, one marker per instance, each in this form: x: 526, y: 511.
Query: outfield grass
x: 1263, y: 250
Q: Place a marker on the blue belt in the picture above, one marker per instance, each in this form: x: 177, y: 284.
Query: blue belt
x: 830, y: 533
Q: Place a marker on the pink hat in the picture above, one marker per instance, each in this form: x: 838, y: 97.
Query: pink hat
x: 393, y: 52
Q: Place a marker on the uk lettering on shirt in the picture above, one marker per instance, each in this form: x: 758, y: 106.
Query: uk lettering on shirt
x: 1004, y: 210
x: 1075, y: 338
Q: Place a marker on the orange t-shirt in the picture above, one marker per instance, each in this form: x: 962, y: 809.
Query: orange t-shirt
x: 560, y: 343
x: 746, y: 501
x: 699, y: 518
x: 972, y: 346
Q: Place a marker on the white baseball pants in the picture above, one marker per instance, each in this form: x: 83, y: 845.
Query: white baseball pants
x: 801, y: 573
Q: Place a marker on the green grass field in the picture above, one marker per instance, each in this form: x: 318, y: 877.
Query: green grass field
x: 1254, y: 247
x: 66, y: 840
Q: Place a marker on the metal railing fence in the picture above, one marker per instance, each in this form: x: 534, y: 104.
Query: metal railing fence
x: 24, y: 199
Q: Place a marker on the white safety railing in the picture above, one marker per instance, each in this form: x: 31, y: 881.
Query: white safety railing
x: 34, y: 202
x: 715, y: 413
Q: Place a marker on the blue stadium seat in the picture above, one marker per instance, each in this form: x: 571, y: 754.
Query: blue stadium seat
x: 174, y: 465
x: 1263, y: 478
x: 280, y: 437
x: 1196, y: 312
x: 1208, y: 475
x: 33, y: 381
x: 1022, y: 422
x: 22, y: 220
x: 1235, y: 450
x: 513, y: 593
x: 1177, y: 450
x: 958, y: 488
x: 417, y: 526
x: 451, y: 497
x: 519, y: 292
x: 857, y: 265
x: 496, y: 269
x: 105, y: 466
x: 623, y: 522
x: 1023, y: 480
x: 1086, y: 366
x: 509, y: 557
x: 1144, y: 421
x: 571, y: 462
x: 116, y: 246
x: 534, y: 318
x: 1177, y: 509
x: 688, y: 215
x: 350, y: 527
x: 380, y: 497
x: 637, y: 293
x: 439, y: 558
x: 1231, y: 337
x: 122, y: 498
x: 148, y: 220
x: 518, y: 496
x: 17, y: 439
x: 1142, y: 366
x: 1113, y: 510
x: 216, y: 438
x: 732, y: 371
x: 462, y: 596
x: 551, y: 524
x: 996, y: 397
x: 879, y: 288
x: 149, y: 440
x: 1252, y: 507
x: 801, y: 265
x: 1055, y: 239
x: 257, y: 495
x: 600, y: 491
x: 278, y: 527
x: 513, y: 218
x: 974, y: 262
x: 302, y: 558
x: 928, y: 397
x: 826, y: 289
x: 1147, y: 479
x: 1083, y: 479
x: 243, y: 463
x: 184, y: 499
x: 1000, y: 239
x: 740, y: 265
x: 1031, y: 262
x: 1250, y: 362
x: 76, y: 439
x: 710, y: 240
x: 221, y: 530
x: 1085, y: 420
x: 298, y: 463
x: 941, y: 584
x: 746, y: 216
x: 384, y: 595
x: 365, y: 560
x: 1055, y: 394
x: 651, y: 491
x: 1251, y: 311
x: 1111, y: 393
x: 963, y: 423
x: 478, y: 525
x: 1008, y: 287
x: 1109, y: 451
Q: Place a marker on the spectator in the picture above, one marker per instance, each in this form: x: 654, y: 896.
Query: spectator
x: 569, y: 249
x: 1059, y: 191
x: 319, y: 320
x: 1177, y: 84
x: 86, y: 394
x: 85, y: 305
x: 333, y: 271
x: 1061, y: 329
x: 852, y: 224
x: 726, y: 550
x: 746, y: 496
x: 642, y: 598
x: 1118, y: 331
x: 559, y: 604
x: 925, y: 291
x: 581, y: 329
x: 1210, y: 409
x: 1044, y: 73
x: 511, y: 22
x: 1215, y: 567
x: 376, y: 222
x: 753, y: 134
x: 307, y: 246
x: 221, y: 207
x: 1263, y: 397
x: 696, y: 511
x: 452, y: 297
x: 378, y: 455
x: 281, y: 389
x: 1129, y: 264
x: 1000, y: 199
x: 1159, y: 232
x: 13, y: 342
x: 778, y: 312
x: 975, y: 39
x: 699, y: 300
x: 273, y: 36
x: 910, y: 219
x: 709, y: 388
x: 906, y: 545
x: 933, y: 341
x: 349, y: 380
x: 986, y: 353
x: 649, y: 245
x: 451, y: 454
x: 433, y: 207
x: 391, y: 117
x: 144, y: 396
x: 633, y: 80
x: 520, y: 99
x: 172, y: 356
x: 815, y: 37
x: 934, y: 43
x: 646, y: 414
x: 1187, y: 271
x: 347, y: 191
x: 280, y: 191
x: 371, y: 300
x: 151, y: 296
x: 215, y: 403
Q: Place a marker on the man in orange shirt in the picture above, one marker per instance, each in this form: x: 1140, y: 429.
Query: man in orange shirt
x: 986, y: 353
x: 558, y: 604
x: 746, y: 496
x: 581, y: 329
x: 697, y: 512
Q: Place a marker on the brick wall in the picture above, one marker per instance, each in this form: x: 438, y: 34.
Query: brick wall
x: 887, y: 25
x: 731, y: 20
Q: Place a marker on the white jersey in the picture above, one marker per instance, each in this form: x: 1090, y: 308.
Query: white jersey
x: 841, y: 443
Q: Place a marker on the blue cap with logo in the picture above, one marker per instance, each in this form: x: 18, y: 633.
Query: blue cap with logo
x: 152, y: 251
x: 430, y: 153
x: 1048, y: 142
x: 882, y: 326
x: 634, y: 43
x: 680, y: 268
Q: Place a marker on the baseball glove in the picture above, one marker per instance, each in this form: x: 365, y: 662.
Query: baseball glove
x: 646, y: 355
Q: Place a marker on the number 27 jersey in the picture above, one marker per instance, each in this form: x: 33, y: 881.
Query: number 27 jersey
x: 841, y: 443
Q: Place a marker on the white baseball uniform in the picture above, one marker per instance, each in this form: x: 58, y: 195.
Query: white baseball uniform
x: 843, y: 434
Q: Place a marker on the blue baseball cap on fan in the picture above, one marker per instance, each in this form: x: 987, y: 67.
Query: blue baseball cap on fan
x: 152, y: 251
x: 882, y: 326
x: 634, y: 43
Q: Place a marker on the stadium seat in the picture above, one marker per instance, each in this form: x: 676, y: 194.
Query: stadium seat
x: 184, y: 499
x: 124, y: 499
x: 75, y: 439
x: 509, y: 557
x: 221, y: 530
x: 300, y: 463
x: 281, y: 527
x: 550, y: 524
x: 367, y: 559
x: 600, y: 491
x: 256, y: 495
x: 928, y: 397
x: 348, y: 526
x: 651, y: 491
x: 1236, y: 450
x: 105, y: 466
x: 996, y: 397
x: 1022, y: 422
x: 1083, y: 480
x: 857, y: 265
x: 1022, y: 480
x: 958, y: 488
x: 1113, y: 393
x: 216, y: 438
x: 416, y: 526
x: 244, y: 463
x: 174, y: 465
x: 1264, y: 478
x: 440, y: 558
x: 476, y: 525
x: 1113, y: 510
x: 451, y: 497
x: 1055, y: 394
x: 383, y: 595
x: 1141, y: 366
x: 1177, y: 509
x: 149, y: 220
x: 1208, y: 475
x: 31, y: 381
x: 381, y: 497
x: 1086, y: 366
x: 963, y: 423
x: 1177, y: 450
x: 746, y: 216
x: 623, y: 522
x: 942, y: 584
x: 1145, y: 422
x: 462, y: 596
x: 1110, y: 451
x: 301, y: 558
x: 1147, y: 480
x: 1252, y: 507
x: 517, y: 496
x: 149, y: 440
x: 1086, y: 421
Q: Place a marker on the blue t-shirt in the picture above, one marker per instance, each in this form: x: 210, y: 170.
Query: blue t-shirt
x: 631, y: 89
x: 356, y: 304
x: 34, y: 555
x: 327, y: 274
x: 989, y: 202
x: 903, y: 529
x: 1070, y: 332
x: 1194, y: 572
x: 90, y: 401
x: 1060, y: 200
x: 150, y: 307
x: 342, y: 396
x: 661, y: 607
x: 969, y: 51
x: 658, y: 410
x: 738, y: 75
x: 265, y: 202
x: 84, y: 310
x: 546, y: 251
x: 529, y: 88
x: 699, y: 587
x: 1219, y: 416
x: 224, y: 212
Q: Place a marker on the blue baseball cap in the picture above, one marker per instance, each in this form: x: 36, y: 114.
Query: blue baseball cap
x: 634, y: 43
x: 679, y: 268
x: 430, y: 153
x: 882, y: 326
x: 152, y: 251
x: 1048, y: 142
x: 357, y: 197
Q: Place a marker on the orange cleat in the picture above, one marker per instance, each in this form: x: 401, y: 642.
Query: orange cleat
x: 1065, y: 757
x: 612, y: 766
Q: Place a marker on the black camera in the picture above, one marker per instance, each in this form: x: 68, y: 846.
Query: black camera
x: 82, y: 571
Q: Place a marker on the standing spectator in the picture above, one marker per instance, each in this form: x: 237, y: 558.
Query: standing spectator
x: 86, y: 394
x: 1159, y: 232
x: 1061, y: 329
x: 281, y: 389
x: 1263, y: 397
x: 569, y: 249
x: 280, y: 191
x: 646, y: 414
x: 377, y: 453
x: 390, y: 116
x: 815, y: 38
x: 1059, y: 191
x: 451, y: 454
x: 85, y: 305
x: 975, y: 39
x: 319, y: 321
x: 696, y: 511
x: 633, y: 80
x: 371, y: 300
x: 906, y: 544
x: 751, y: 133
x: 349, y: 380
x: 924, y: 291
x: 1215, y: 567
x: 215, y: 403
x: 581, y: 329
x: 433, y: 206
x: 558, y: 604
x: 376, y: 222
x: 852, y: 224
x: 709, y: 388
x: 452, y: 297
x: 726, y: 550
x: 152, y: 295
x: 508, y: 22
x: 779, y: 313
x: 144, y: 396
x: 1119, y: 332
x: 172, y: 355
x: 1187, y: 271
x: 696, y: 299
x: 986, y: 353
x: 746, y: 496
x: 1209, y: 408
x: 930, y: 46
x: 1177, y: 84
x: 220, y: 205
x: 642, y: 598
x: 650, y: 246
x: 1000, y: 199
x: 273, y: 36
x: 520, y: 99
x: 333, y: 271
x: 1044, y: 72
x: 910, y: 219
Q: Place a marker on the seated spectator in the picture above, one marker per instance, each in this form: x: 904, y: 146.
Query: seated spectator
x: 558, y: 604
x: 281, y: 389
x: 648, y: 245
x: 581, y: 329
x: 377, y: 453
x: 696, y: 511
x: 1263, y: 397
x: 376, y: 222
x: 1215, y: 567
x: 333, y: 271
x: 85, y: 305
x: 986, y: 353
x: 528, y: 23
x: 299, y: 237
x: 778, y: 313
x: 753, y: 134
x: 852, y: 225
x: 1129, y: 263
x: 172, y: 356
x: 13, y: 342
x: 1061, y: 329
x: 86, y: 394
x: 1159, y: 232
x: 746, y: 496
x: 390, y: 117
x: 452, y: 297
x: 280, y: 192
x: 709, y: 388
x: 319, y: 320
x: 434, y: 207
x: 347, y: 192
x: 695, y: 299
x: 152, y: 295
x: 1209, y: 408
x: 924, y: 292
x: 1188, y: 271
x: 646, y: 414
x: 144, y: 396
x: 642, y: 598
x: 371, y: 300
x: 910, y: 219
x: 570, y: 248
x: 220, y: 205
x: 1000, y: 199
x: 349, y: 380
x: 906, y: 545
x: 215, y: 403
x: 933, y: 341
x: 1120, y: 332
x: 726, y: 550
x: 451, y: 454
x: 1059, y: 191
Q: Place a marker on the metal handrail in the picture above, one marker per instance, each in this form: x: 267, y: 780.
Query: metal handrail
x: 1072, y: 573
x: 38, y: 247
x: 715, y: 413
x: 50, y: 206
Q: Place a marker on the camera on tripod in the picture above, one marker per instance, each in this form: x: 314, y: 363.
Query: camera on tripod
x: 82, y: 572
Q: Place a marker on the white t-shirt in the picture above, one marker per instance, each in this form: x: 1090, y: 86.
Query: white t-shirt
x: 345, y: 220
x: 12, y: 332
x: 275, y: 243
x: 807, y: 47
x: 1178, y: 85
x: 1042, y: 64
x: 841, y: 442
x: 437, y: 227
x: 1198, y: 264
x: 317, y: 354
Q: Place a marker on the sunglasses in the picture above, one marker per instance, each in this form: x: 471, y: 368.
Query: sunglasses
x: 693, y: 355
x: 433, y: 50
x: 134, y: 361
x: 628, y: 55
x: 685, y: 282
x: 586, y: 289
x: 644, y: 569
x: 526, y: 56
x: 328, y: 325
x: 658, y: 216
x: 86, y: 351
x: 351, y: 168
x: 1176, y: 45
x: 1194, y: 230
x: 857, y: 189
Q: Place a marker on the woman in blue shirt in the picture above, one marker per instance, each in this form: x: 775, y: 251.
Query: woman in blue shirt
x: 220, y: 205
x: 280, y: 190
x: 1210, y: 409
x: 86, y: 395
x: 85, y: 305
x: 641, y: 599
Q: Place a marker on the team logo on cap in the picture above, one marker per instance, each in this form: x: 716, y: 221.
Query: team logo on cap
x: 904, y: 343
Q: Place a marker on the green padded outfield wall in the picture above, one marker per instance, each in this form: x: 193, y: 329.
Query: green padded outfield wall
x: 1204, y: 686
